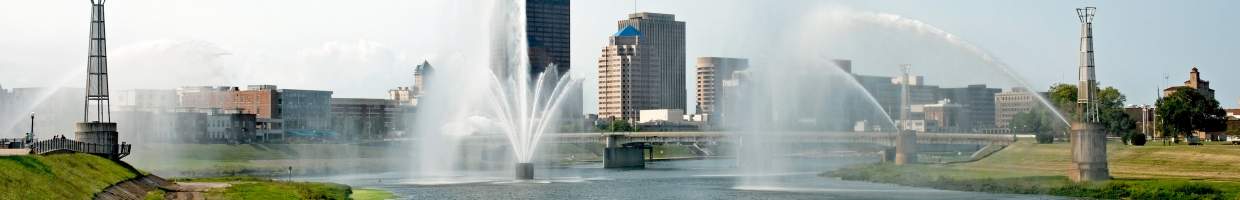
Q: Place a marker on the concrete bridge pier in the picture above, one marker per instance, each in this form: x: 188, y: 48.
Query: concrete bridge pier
x: 616, y: 155
x: 906, y: 147
x: 103, y: 133
x: 1089, y: 153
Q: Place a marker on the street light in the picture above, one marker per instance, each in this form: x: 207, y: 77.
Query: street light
x: 30, y: 135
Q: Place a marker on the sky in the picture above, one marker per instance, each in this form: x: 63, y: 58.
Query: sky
x: 363, y: 48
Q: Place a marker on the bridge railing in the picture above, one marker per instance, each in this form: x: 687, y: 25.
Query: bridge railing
x: 793, y: 137
x: 56, y: 144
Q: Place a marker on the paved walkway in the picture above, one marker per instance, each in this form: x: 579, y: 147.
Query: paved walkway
x: 192, y: 191
x: 14, y: 152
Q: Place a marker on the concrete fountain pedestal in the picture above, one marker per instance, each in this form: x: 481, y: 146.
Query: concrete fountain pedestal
x: 525, y: 171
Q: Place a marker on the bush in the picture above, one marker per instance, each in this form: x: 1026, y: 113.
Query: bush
x: 1139, y: 139
x: 1045, y: 138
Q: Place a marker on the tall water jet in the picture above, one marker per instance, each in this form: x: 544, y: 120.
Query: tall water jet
x: 503, y: 97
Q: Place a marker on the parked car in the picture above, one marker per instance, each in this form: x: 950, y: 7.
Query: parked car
x: 1233, y: 139
x: 1193, y: 140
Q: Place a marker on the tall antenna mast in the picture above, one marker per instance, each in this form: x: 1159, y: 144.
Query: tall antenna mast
x: 97, y: 69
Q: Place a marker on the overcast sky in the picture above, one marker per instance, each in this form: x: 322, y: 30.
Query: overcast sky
x: 363, y: 48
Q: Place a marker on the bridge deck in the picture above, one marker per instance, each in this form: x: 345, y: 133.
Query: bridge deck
x: 797, y: 137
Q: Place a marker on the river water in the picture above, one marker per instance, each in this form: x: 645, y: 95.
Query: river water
x: 683, y: 179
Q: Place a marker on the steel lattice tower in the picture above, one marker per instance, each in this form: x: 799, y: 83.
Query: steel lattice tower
x: 1089, y: 147
x: 97, y: 69
x: 1087, y: 87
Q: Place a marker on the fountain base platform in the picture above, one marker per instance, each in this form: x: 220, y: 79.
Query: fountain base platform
x: 525, y: 171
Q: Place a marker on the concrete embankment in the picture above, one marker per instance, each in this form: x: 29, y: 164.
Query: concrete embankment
x: 135, y: 188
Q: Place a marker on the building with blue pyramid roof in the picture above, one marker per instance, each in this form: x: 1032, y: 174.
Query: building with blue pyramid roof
x: 628, y: 31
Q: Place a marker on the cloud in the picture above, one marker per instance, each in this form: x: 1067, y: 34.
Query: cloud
x: 171, y: 63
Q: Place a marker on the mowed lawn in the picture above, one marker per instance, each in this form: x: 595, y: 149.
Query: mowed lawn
x: 1208, y: 162
x: 60, y: 176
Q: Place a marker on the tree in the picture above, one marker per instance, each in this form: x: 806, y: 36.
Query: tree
x: 1186, y: 111
x: 619, y: 125
x: 1110, y: 108
x: 1039, y: 121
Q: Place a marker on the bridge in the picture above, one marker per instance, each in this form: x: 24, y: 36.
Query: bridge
x: 625, y: 149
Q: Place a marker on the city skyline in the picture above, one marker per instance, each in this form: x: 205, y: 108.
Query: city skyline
x: 183, y: 37
x: 692, y: 99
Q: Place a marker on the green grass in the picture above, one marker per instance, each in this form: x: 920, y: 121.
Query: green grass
x: 286, y: 190
x: 157, y: 194
x: 206, y: 160
x: 371, y: 194
x: 1140, y: 172
x: 62, y: 176
x: 1208, y: 162
x: 259, y: 188
x: 966, y: 180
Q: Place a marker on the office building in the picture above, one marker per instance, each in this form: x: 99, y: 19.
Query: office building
x: 305, y: 110
x: 1011, y: 102
x: 365, y: 119
x: 665, y: 39
x: 711, y: 71
x: 547, y: 32
x: 978, y: 103
x: 627, y: 77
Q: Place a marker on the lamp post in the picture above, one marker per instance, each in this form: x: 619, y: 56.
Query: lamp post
x: 30, y: 135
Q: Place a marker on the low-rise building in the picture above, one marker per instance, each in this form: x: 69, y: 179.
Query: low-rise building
x: 231, y: 126
x: 1195, y: 82
x: 1011, y: 102
x: 368, y: 119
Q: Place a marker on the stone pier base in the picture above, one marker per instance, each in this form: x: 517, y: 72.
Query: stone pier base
x: 1089, y: 153
x: 525, y: 171
x: 103, y: 133
x: 906, y: 148
x: 623, y: 157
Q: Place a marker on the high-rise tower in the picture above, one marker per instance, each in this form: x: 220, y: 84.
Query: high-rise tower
x: 627, y: 76
x: 1089, y: 152
x: 665, y: 38
x: 547, y: 31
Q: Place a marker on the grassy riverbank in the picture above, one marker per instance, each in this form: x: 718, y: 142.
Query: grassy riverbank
x: 1141, y: 172
x: 62, y: 176
x: 208, y: 160
x: 260, y: 188
x: 371, y: 194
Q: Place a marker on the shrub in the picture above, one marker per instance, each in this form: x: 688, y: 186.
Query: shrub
x: 1045, y: 138
x: 1139, y: 139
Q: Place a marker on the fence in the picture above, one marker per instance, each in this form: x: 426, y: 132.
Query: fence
x: 115, y: 151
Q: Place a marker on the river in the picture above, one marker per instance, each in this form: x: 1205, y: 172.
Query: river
x: 682, y: 179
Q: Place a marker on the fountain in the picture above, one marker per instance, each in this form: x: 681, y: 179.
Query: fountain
x: 502, y: 97
x: 782, y: 97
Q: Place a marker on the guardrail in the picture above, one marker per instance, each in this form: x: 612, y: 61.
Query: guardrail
x: 53, y: 145
x: 814, y: 137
